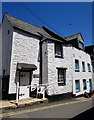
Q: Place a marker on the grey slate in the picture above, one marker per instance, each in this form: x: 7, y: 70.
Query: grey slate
x: 17, y: 23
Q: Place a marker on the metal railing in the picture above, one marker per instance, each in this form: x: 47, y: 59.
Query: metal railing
x: 41, y: 88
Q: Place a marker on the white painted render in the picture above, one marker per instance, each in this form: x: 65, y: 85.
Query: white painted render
x: 25, y: 49
x: 81, y: 56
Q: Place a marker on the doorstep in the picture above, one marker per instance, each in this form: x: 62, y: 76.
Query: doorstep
x: 22, y: 103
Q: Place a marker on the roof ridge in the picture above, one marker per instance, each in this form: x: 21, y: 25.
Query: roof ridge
x: 20, y: 20
x: 73, y: 35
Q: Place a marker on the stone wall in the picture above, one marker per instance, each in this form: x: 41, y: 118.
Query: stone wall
x: 25, y: 49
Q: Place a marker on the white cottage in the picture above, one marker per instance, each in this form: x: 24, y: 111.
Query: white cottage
x: 34, y: 56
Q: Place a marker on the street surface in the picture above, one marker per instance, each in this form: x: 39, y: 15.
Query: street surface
x: 60, y: 109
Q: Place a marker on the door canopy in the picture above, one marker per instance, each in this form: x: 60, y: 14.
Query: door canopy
x: 25, y: 66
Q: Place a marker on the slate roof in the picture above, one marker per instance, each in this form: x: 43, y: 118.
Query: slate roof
x: 17, y: 23
x: 72, y: 36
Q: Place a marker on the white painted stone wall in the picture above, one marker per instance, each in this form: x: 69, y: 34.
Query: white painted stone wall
x: 81, y: 56
x: 25, y: 49
x: 45, y: 63
x: 68, y: 61
x: 53, y: 63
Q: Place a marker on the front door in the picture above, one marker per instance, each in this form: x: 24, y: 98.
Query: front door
x: 24, y: 90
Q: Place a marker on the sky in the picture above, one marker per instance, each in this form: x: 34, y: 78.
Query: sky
x: 63, y: 18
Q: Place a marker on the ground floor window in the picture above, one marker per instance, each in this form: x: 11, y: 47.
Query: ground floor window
x: 77, y: 85
x: 61, y: 76
x: 90, y: 84
x: 84, y: 84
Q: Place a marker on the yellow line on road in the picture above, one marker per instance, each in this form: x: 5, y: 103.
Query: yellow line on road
x: 36, y: 109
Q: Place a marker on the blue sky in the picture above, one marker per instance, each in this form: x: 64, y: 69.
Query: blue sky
x: 64, y: 18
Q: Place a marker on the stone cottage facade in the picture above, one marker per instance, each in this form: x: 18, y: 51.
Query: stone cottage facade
x: 35, y: 56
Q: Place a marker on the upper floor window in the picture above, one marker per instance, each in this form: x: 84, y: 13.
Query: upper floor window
x: 76, y: 65
x: 83, y: 66
x: 81, y: 45
x: 61, y: 76
x: 58, y: 50
x: 89, y: 68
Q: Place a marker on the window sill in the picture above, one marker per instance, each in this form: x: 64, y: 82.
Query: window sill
x: 77, y: 91
x: 77, y: 71
x: 61, y: 84
x: 56, y: 56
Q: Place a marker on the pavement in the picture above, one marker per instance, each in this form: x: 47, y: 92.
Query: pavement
x: 5, y: 104
x: 61, y: 109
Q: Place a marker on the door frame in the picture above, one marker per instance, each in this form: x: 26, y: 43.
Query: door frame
x: 30, y: 79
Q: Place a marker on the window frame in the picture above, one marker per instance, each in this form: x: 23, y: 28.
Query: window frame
x: 89, y: 67
x: 83, y: 67
x: 81, y: 44
x: 63, y: 81
x: 61, y: 50
x: 77, y: 70
x: 85, y: 84
x: 79, y: 88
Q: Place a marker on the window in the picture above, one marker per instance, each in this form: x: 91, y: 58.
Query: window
x: 90, y: 84
x: 76, y: 65
x: 84, y: 84
x: 77, y: 85
x: 81, y: 45
x: 58, y: 50
x: 89, y: 68
x: 83, y: 66
x: 61, y: 76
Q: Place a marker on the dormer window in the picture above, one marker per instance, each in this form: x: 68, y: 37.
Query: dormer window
x: 81, y: 45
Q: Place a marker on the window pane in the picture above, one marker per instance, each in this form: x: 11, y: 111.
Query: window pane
x: 58, y: 49
x: 84, y: 84
x: 76, y: 65
x: 61, y: 75
x: 90, y: 84
x: 77, y: 85
x: 83, y: 66
x: 81, y: 45
x: 89, y: 69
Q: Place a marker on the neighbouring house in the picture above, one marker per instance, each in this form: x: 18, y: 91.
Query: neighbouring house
x: 90, y: 50
x: 34, y: 56
x: 0, y: 62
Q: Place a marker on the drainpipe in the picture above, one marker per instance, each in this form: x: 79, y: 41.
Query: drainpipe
x: 42, y: 39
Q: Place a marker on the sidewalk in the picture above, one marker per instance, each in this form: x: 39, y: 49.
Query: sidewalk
x: 24, y: 102
x: 32, y: 101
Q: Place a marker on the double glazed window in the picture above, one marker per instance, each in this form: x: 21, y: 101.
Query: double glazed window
x: 76, y: 65
x: 77, y: 85
x: 61, y: 76
x: 84, y: 84
x: 89, y: 68
x: 83, y: 66
x: 58, y: 50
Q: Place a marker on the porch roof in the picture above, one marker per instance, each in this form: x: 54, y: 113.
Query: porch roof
x: 25, y: 66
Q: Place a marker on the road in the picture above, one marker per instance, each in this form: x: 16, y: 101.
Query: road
x: 56, y: 110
